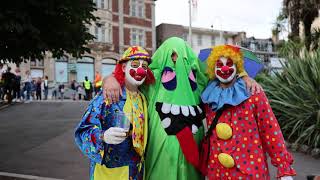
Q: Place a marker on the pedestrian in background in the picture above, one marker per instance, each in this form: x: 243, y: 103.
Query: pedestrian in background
x: 55, y: 91
x: 45, y: 87
x: 88, y: 88
x: 27, y: 86
x: 9, y: 82
x: 97, y: 82
x: 80, y: 91
x: 61, y: 91
x: 33, y: 89
x: 74, y: 89
x: 1, y: 82
x: 38, y: 88
x: 16, y: 87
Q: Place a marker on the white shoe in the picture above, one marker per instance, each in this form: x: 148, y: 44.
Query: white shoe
x: 18, y: 100
x: 14, y: 100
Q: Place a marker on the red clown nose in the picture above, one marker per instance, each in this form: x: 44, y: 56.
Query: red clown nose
x: 141, y: 71
x: 225, y: 68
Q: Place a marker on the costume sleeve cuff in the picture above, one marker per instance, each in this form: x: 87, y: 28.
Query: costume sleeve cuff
x: 285, y: 169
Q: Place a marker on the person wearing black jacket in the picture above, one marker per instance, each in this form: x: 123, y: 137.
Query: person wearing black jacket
x: 16, y: 86
x: 9, y: 82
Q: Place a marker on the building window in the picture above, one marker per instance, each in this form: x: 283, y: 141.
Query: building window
x: 98, y: 33
x: 103, y: 33
x: 61, y: 69
x: 199, y: 39
x: 107, y: 66
x: 33, y: 62
x: 252, y: 46
x: 36, y: 73
x: 137, y: 8
x: 213, y: 41
x: 85, y: 67
x: 185, y: 36
x: 102, y: 4
x: 37, y: 62
x: 229, y: 41
x: 40, y: 62
x: 137, y: 37
x: 108, y: 33
x: 269, y: 47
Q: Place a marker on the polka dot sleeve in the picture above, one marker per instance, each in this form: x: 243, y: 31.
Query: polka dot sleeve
x: 271, y: 136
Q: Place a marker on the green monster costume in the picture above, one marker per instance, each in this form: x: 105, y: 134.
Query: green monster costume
x: 175, y: 123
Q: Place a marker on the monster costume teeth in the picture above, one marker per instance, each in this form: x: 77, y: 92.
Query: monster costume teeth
x: 176, y: 117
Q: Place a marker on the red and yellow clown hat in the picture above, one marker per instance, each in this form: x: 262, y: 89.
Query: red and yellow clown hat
x: 134, y: 53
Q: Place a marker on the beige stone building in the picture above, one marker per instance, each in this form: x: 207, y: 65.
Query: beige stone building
x: 121, y: 23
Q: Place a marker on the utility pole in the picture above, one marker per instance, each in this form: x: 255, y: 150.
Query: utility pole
x: 190, y: 24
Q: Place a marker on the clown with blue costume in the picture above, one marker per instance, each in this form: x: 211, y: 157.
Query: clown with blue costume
x: 116, y: 153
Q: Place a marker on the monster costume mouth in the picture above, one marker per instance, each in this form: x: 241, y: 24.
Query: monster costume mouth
x: 176, y: 117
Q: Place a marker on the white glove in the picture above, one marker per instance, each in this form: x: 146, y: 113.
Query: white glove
x: 114, y: 135
x: 286, y: 178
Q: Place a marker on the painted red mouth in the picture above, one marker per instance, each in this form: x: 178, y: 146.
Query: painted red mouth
x: 226, y: 74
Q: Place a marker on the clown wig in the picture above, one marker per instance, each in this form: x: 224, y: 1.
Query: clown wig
x: 120, y: 75
x: 226, y: 51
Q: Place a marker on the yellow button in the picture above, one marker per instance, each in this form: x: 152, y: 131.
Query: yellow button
x: 226, y: 160
x: 224, y: 131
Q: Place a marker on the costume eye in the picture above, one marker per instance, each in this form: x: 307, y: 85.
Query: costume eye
x: 135, y: 63
x: 145, y: 65
x: 168, y: 79
x: 174, y: 57
x: 192, y: 80
x: 219, y: 64
x: 229, y: 62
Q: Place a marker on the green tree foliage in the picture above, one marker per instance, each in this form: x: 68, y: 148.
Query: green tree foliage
x: 295, y: 95
x: 29, y: 28
x: 280, y: 24
x: 305, y: 11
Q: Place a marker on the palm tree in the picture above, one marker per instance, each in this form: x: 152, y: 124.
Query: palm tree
x: 292, y: 12
x: 305, y: 11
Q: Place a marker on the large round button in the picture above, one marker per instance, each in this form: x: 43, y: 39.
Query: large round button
x: 224, y: 131
x: 226, y: 160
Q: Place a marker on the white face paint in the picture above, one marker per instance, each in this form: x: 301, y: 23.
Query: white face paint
x: 136, y: 72
x: 225, y: 70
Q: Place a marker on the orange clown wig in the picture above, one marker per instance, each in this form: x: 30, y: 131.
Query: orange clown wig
x: 227, y: 51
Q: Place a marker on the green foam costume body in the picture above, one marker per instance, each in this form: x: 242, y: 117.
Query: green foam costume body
x: 172, y: 105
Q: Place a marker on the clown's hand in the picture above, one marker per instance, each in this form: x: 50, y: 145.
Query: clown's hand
x: 252, y: 85
x: 286, y: 178
x: 111, y: 89
x: 114, y: 135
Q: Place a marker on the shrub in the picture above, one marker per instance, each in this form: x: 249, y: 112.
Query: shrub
x: 295, y: 96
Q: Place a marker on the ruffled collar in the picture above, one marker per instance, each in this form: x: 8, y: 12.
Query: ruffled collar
x: 216, y: 97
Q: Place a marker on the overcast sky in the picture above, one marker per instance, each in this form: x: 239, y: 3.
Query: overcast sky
x: 255, y: 17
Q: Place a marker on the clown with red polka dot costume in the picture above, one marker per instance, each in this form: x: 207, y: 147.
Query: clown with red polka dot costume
x: 247, y: 129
